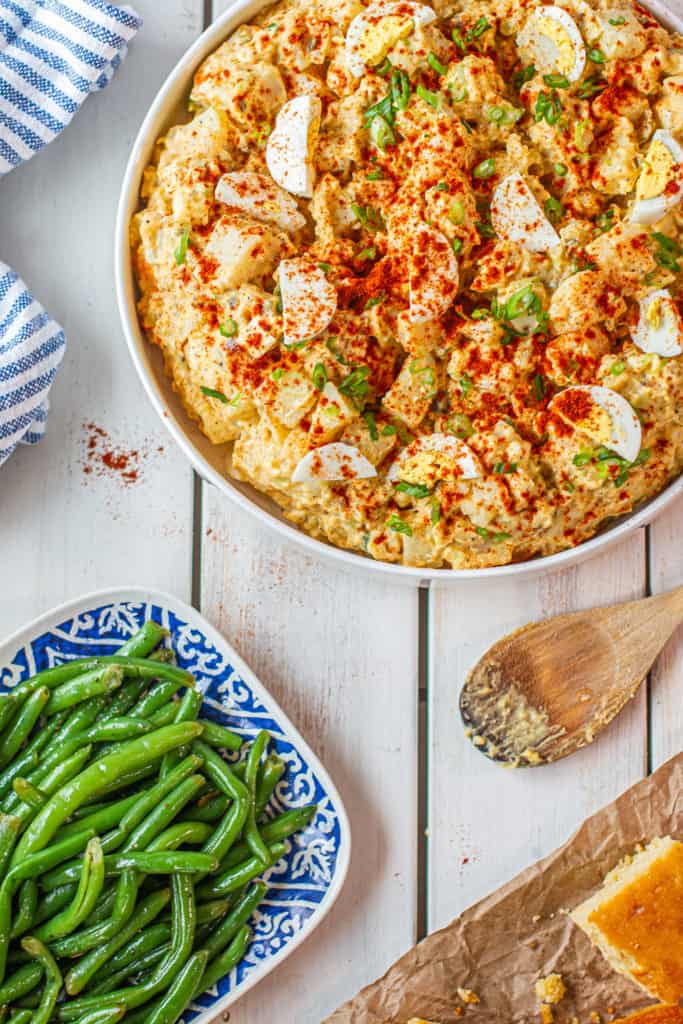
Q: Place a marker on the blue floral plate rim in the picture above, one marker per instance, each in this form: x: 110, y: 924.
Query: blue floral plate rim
x: 92, y: 602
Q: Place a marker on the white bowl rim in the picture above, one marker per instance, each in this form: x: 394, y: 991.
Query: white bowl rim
x: 69, y: 609
x: 226, y: 23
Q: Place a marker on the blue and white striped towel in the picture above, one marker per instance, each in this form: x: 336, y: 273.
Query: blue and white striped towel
x: 53, y: 53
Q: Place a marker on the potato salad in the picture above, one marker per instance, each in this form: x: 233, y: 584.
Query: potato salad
x: 418, y: 269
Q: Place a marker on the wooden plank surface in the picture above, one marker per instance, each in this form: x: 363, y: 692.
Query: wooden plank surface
x: 339, y: 653
x: 666, y: 572
x: 486, y: 823
x: 65, y: 532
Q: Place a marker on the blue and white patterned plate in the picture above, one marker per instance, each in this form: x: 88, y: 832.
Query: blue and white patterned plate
x: 305, y: 883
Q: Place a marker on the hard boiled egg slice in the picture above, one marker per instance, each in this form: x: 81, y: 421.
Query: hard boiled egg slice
x: 258, y: 196
x: 290, y: 146
x: 659, y: 328
x: 660, y: 184
x: 435, y: 457
x: 309, y: 300
x: 516, y: 216
x: 604, y: 415
x: 335, y: 461
x: 552, y: 40
x: 432, y: 275
x: 374, y: 32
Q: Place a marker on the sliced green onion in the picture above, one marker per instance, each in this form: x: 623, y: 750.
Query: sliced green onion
x: 457, y: 212
x: 229, y: 329
x: 396, y: 524
x: 319, y: 376
x: 556, y: 81
x: 554, y: 209
x: 210, y: 393
x: 371, y: 425
x: 560, y: 170
x: 485, y: 169
x: 381, y: 132
x: 414, y: 490
x: 432, y: 98
x: 181, y: 251
x: 597, y: 56
x: 456, y: 245
x: 436, y: 64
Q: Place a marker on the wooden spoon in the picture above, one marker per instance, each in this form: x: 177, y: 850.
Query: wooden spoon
x: 550, y: 688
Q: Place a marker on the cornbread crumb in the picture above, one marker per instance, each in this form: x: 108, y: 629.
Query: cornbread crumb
x: 550, y: 990
x: 595, y: 1017
x: 468, y: 997
x: 457, y: 1012
x: 547, y: 1015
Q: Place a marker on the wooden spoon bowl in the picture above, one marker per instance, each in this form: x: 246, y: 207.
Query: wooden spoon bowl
x: 550, y: 688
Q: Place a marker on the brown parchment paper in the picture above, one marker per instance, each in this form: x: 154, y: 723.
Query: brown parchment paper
x: 502, y: 945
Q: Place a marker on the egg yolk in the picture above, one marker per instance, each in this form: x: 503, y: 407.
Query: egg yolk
x: 657, y: 172
x: 655, y: 313
x: 379, y: 39
x: 561, y: 40
x: 426, y: 468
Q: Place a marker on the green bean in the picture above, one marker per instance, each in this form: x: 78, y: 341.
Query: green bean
x: 28, y: 904
x: 123, y: 699
x: 184, y: 924
x: 82, y: 972
x: 12, y: 741
x: 238, y: 876
x: 179, y: 996
x: 149, y: 938
x: 52, y: 677
x: 132, y: 777
x: 114, y: 729
x: 28, y: 793
x: 188, y: 709
x: 53, y: 901
x: 225, y: 962
x: 192, y: 832
x: 102, y: 819
x: 279, y: 828
x: 10, y: 827
x: 238, y: 916
x: 220, y: 772
x: 163, y: 863
x: 251, y: 832
x: 209, y: 812
x: 134, y: 754
x: 165, y: 812
x: 224, y: 836
x: 30, y: 755
x: 218, y: 736
x: 53, y: 979
x: 272, y: 770
x: 143, y: 963
x: 153, y: 701
x: 21, y: 1017
x: 144, y: 641
x: 52, y: 780
x: 89, y: 889
x: 103, y: 1016
x: 163, y: 716
x: 21, y: 983
x: 98, y: 683
x: 142, y: 668
x: 164, y: 654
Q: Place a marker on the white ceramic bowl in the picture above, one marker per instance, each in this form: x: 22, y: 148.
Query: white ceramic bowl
x: 208, y: 459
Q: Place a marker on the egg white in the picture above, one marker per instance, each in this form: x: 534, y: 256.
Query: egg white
x: 433, y: 275
x: 459, y: 454
x: 258, y: 196
x: 309, y: 300
x: 291, y: 143
x: 334, y: 461
x: 649, y: 211
x: 625, y: 430
x: 664, y: 337
x: 420, y: 13
x: 516, y: 216
x: 535, y: 40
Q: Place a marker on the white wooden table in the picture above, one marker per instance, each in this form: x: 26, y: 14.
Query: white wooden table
x: 369, y: 671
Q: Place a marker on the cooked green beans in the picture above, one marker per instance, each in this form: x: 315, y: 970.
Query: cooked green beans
x: 107, y: 840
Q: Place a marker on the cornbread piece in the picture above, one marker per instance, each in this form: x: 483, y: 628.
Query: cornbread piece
x: 636, y: 919
x: 550, y: 990
x: 654, y: 1015
x: 468, y: 997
